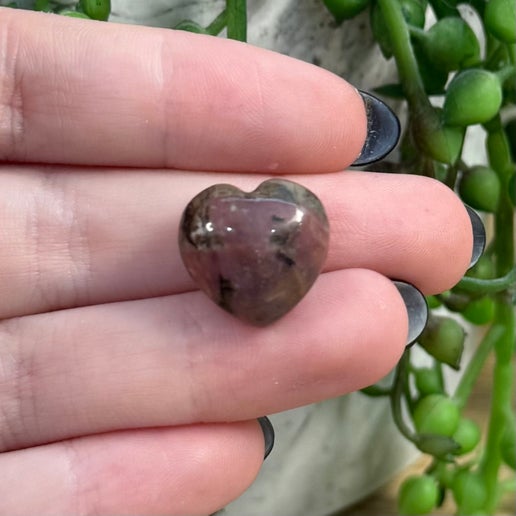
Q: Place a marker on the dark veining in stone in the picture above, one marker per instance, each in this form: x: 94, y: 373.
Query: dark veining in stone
x: 285, y: 259
x: 255, y: 254
x: 225, y: 292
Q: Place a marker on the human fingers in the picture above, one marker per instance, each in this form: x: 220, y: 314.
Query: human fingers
x: 72, y: 238
x: 180, y: 359
x: 190, y: 470
x: 89, y: 93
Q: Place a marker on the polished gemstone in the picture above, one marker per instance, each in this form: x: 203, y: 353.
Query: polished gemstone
x: 255, y: 254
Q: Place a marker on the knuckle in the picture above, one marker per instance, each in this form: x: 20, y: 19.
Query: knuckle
x: 11, y: 89
x: 60, y: 233
x: 16, y: 393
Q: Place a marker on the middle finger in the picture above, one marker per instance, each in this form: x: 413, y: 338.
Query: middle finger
x: 84, y: 237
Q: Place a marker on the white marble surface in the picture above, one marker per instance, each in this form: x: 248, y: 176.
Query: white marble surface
x: 301, y: 29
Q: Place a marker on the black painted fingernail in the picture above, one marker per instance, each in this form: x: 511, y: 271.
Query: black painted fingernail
x: 417, y: 309
x: 268, y: 434
x: 383, y: 130
x: 479, y: 235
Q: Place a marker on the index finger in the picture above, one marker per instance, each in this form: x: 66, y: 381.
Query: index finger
x: 90, y: 93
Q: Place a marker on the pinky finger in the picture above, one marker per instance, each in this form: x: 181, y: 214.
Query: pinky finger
x: 187, y: 470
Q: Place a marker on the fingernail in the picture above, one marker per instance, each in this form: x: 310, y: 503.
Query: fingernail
x: 479, y: 235
x: 417, y: 309
x: 383, y: 130
x: 268, y: 434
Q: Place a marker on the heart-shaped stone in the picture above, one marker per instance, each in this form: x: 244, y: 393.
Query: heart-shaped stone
x: 255, y: 254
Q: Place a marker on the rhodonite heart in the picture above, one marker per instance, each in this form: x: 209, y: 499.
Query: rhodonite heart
x: 255, y: 254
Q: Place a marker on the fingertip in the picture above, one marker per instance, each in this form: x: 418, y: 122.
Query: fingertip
x: 383, y: 130
x: 417, y: 309
x: 268, y: 435
x: 479, y: 235
x: 407, y: 227
x: 390, y: 319
x: 290, y: 116
x: 338, y: 125
x: 450, y: 250
x: 363, y: 323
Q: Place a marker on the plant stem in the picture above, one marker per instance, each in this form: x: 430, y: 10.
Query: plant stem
x: 501, y: 399
x: 488, y: 286
x: 403, y: 54
x: 501, y: 162
x: 375, y: 391
x: 476, y: 364
x: 438, y: 367
x: 400, y: 378
x: 213, y: 29
x: 451, y: 177
x: 505, y: 73
x: 237, y: 19
x: 190, y: 26
x: 218, y: 24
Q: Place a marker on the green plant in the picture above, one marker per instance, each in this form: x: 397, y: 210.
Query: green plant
x: 418, y: 495
x: 432, y: 145
x: 476, y: 95
x: 89, y: 9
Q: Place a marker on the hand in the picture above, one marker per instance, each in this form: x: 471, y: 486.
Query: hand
x: 124, y: 390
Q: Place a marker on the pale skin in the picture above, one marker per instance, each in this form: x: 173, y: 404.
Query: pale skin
x: 123, y: 389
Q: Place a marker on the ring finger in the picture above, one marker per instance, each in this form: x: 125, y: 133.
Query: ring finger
x: 180, y: 359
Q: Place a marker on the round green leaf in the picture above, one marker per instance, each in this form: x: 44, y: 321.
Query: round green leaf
x: 473, y: 97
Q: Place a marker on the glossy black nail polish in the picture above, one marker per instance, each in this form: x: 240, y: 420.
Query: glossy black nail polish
x: 417, y: 309
x: 268, y: 434
x: 383, y: 130
x: 479, y: 235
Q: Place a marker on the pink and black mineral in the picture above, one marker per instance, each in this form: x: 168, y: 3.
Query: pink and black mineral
x: 255, y: 254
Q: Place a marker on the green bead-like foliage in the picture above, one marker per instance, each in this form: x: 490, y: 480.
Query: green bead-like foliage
x: 500, y: 20
x: 418, y: 495
x: 467, y: 436
x: 483, y: 269
x: 451, y: 44
x: 345, y: 9
x: 96, y: 9
x: 479, y: 187
x: 469, y: 491
x: 428, y: 381
x: 414, y: 11
x: 441, y: 142
x: 473, y: 97
x: 443, y: 338
x: 480, y: 311
x: 436, y: 414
